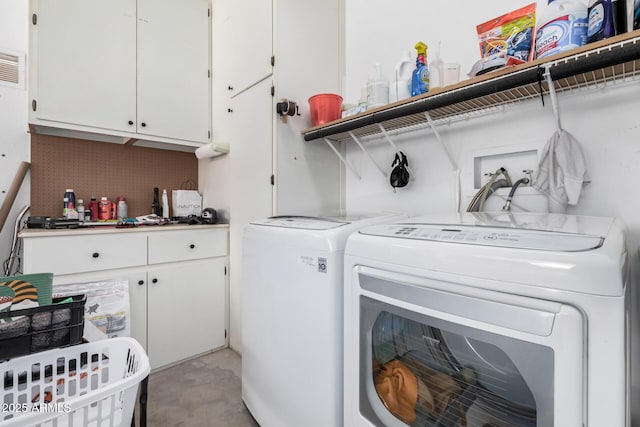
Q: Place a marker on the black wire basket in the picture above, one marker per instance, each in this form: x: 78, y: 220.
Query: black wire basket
x: 31, y: 330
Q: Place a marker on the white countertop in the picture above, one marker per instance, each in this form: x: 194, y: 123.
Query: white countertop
x: 110, y: 229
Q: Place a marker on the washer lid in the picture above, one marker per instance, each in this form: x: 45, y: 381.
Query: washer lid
x: 303, y: 222
x: 549, y: 232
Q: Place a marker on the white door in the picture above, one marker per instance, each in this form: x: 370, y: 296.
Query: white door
x: 174, y: 69
x: 251, y: 199
x: 85, y: 62
x: 186, y: 310
x: 251, y: 38
x: 307, y: 173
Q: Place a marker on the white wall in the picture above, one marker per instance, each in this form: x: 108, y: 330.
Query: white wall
x: 14, y: 139
x: 604, y: 120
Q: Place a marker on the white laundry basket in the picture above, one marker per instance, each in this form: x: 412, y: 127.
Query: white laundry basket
x: 93, y: 384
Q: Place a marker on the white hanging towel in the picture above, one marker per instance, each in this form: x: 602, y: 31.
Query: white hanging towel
x: 561, y: 171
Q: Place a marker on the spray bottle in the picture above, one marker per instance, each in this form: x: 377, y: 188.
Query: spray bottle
x: 420, y: 76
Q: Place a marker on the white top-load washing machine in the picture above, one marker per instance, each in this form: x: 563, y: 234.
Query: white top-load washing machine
x: 505, y: 319
x: 292, y: 318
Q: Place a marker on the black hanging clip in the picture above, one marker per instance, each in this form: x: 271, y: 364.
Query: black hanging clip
x: 540, y: 78
x: 399, y: 175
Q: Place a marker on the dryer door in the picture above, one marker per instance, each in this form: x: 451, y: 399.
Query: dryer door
x: 438, y: 353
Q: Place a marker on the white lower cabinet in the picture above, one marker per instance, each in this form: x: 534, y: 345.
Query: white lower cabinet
x: 177, y: 290
x: 181, y: 309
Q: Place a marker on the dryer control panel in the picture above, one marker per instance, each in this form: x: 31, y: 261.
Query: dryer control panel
x: 489, y: 236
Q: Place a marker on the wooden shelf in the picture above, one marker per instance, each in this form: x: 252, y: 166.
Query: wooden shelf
x: 612, y: 60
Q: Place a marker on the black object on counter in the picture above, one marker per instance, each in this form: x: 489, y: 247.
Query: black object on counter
x: 51, y: 223
x: 155, y: 206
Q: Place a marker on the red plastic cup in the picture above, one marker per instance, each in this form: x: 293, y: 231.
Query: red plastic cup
x: 324, y: 107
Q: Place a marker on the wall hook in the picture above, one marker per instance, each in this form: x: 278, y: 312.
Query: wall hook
x: 286, y: 108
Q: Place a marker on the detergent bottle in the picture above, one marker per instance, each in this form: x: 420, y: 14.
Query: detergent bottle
x: 420, y: 76
x: 560, y: 25
x: 400, y: 85
x: 601, y: 20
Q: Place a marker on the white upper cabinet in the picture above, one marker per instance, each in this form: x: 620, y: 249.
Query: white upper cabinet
x: 173, y: 69
x: 252, y: 38
x: 83, y: 65
x: 130, y: 69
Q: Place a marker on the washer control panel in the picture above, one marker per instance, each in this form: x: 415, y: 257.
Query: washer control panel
x: 489, y: 236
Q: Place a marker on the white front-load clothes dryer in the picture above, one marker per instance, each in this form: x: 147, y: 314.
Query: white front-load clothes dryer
x: 477, y: 319
x: 292, y: 318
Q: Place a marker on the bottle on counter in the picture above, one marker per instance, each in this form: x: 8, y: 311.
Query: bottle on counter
x: 155, y: 206
x: 165, y: 204
x: 122, y: 209
x: 94, y: 208
x: 69, y: 210
x: 81, y: 211
x: 106, y: 209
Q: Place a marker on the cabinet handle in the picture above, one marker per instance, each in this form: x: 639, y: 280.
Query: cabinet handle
x: 130, y: 122
x: 140, y: 282
x: 192, y: 246
x: 95, y: 254
x: 154, y: 280
x: 143, y: 124
x: 230, y: 87
x: 229, y: 110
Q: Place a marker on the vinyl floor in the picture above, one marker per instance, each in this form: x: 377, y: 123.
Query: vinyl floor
x: 201, y: 392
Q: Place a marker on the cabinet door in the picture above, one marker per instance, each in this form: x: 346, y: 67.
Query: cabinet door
x: 186, y: 310
x: 174, y: 89
x: 137, y: 279
x: 84, y: 62
x: 252, y: 40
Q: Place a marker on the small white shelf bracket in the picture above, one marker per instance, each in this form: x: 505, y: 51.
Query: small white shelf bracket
x: 342, y: 159
x: 367, y: 153
x: 553, y: 96
x: 439, y: 138
x: 386, y: 135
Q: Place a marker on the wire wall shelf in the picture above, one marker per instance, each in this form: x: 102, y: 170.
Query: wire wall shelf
x: 597, y: 65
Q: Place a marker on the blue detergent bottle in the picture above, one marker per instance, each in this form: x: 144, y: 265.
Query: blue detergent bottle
x: 601, y: 20
x: 420, y: 76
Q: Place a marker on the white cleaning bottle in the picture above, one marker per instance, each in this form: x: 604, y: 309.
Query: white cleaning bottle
x: 400, y: 84
x: 377, y: 88
x: 436, y: 71
x: 165, y: 205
